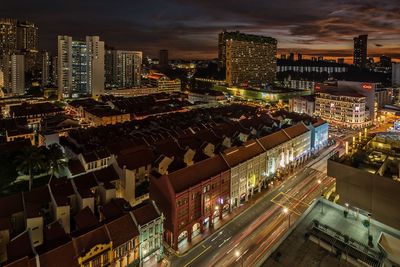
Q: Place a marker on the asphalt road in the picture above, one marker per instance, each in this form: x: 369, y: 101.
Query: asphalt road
x: 244, y: 238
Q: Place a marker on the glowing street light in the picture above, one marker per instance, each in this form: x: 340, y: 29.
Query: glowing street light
x: 238, y: 256
x: 286, y: 212
x: 322, y: 196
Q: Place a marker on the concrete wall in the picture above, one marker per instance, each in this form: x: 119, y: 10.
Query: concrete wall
x: 375, y: 194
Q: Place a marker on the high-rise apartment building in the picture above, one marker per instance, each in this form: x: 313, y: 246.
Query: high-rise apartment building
x: 123, y: 68
x: 163, y: 57
x: 27, y: 36
x: 249, y: 59
x: 360, y: 51
x: 8, y: 36
x: 80, y: 66
x: 45, y: 65
x: 18, y: 37
x: 17, y: 74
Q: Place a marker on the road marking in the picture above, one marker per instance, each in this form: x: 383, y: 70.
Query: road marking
x: 229, y: 251
x: 226, y: 240
x: 195, y: 258
x: 220, y: 233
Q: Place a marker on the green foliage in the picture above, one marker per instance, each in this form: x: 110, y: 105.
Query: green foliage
x: 366, y: 223
x: 31, y: 161
x: 8, y: 171
x: 345, y: 213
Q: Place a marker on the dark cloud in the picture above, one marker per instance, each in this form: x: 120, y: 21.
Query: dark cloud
x: 189, y: 28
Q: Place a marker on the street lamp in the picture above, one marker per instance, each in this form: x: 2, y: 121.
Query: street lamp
x: 322, y: 195
x: 286, y: 211
x: 238, y: 256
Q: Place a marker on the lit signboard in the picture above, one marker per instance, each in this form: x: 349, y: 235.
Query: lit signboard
x: 367, y: 86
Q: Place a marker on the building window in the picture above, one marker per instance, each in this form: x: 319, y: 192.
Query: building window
x: 105, y: 258
x: 96, y: 262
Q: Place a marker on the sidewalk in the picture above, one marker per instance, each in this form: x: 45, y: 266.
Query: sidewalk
x: 198, y: 239
x: 185, y: 246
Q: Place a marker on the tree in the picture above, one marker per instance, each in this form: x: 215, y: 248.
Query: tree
x: 55, y: 158
x: 30, y: 161
x: 8, y: 172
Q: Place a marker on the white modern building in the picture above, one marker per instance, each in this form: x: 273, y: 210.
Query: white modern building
x: 17, y: 74
x: 344, y: 108
x: 163, y: 83
x: 256, y: 161
x: 302, y: 104
x: 80, y: 66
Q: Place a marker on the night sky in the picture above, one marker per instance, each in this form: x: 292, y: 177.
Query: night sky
x: 189, y: 28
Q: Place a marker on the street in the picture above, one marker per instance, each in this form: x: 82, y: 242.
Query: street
x: 250, y: 234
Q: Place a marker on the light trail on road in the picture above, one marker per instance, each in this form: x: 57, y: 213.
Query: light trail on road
x: 268, y: 225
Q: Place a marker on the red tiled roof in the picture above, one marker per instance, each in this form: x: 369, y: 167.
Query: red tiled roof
x: 196, y: 173
x: 296, y: 130
x: 237, y: 155
x: 115, y: 208
x: 155, y: 76
x: 106, y: 175
x: 274, y: 139
x: 20, y: 247
x: 84, y: 242
x: 75, y: 167
x: 6, y: 210
x: 61, y: 189
x: 319, y: 122
x: 85, y: 219
x: 35, y: 200
x: 84, y: 183
x: 24, y: 262
x: 122, y: 230
x: 61, y: 256
x: 136, y: 159
x: 145, y: 214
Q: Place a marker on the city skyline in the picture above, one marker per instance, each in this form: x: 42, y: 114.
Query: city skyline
x: 189, y: 29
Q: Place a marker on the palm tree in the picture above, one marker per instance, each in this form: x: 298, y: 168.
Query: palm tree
x: 55, y: 158
x: 31, y: 160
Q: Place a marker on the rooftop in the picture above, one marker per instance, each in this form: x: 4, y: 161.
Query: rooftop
x: 378, y: 154
x: 196, y: 173
x: 145, y: 213
x: 26, y: 109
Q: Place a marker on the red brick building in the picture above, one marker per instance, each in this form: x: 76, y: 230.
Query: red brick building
x: 192, y: 198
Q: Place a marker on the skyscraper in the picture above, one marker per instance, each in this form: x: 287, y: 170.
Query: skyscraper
x: 45, y: 62
x: 163, y: 57
x: 80, y: 66
x: 18, y: 37
x: 250, y: 59
x: 222, y: 49
x: 26, y: 36
x: 360, y: 51
x: 123, y: 68
x: 17, y: 74
x: 8, y: 36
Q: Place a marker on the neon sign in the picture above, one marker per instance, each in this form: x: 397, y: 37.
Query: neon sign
x: 367, y: 86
